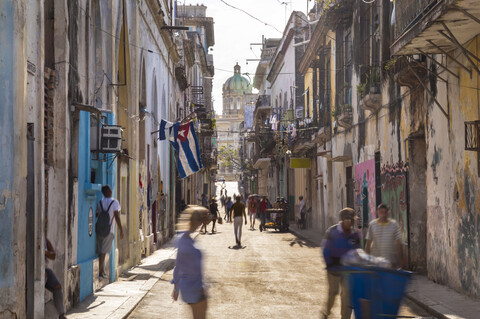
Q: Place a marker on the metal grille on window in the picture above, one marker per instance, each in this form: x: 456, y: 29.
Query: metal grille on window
x: 472, y: 136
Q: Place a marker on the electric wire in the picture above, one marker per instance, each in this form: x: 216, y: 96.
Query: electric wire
x: 134, y: 116
x: 250, y: 15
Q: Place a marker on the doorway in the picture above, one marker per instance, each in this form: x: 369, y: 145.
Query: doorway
x: 350, y: 187
x: 30, y: 226
x: 417, y: 201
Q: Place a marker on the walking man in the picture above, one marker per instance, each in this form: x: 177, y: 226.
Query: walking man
x: 107, y: 209
x: 238, y: 211
x: 303, y: 211
x: 263, y: 208
x: 252, y: 211
x: 339, y: 239
x: 384, y: 238
x: 214, y: 213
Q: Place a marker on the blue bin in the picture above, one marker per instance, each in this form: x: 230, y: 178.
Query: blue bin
x: 376, y: 292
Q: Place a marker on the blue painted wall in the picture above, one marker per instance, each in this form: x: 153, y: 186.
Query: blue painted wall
x: 89, y: 193
x: 7, y: 107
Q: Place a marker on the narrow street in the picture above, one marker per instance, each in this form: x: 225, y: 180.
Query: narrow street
x: 275, y: 275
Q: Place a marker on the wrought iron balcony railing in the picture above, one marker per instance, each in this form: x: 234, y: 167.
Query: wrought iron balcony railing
x: 409, y: 12
x: 263, y: 100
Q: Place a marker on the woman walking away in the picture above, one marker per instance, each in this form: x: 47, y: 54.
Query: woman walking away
x: 214, y: 212
x: 187, y: 275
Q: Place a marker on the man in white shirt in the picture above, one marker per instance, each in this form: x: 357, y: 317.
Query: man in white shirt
x: 104, y: 244
x: 384, y: 238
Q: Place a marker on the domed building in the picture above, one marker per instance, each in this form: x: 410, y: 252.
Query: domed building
x: 234, y: 90
x: 237, y: 92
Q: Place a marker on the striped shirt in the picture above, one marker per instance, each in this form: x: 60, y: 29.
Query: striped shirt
x: 383, y: 237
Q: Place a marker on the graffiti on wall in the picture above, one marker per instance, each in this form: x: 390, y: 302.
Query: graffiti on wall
x: 468, y: 241
x: 365, y: 193
x: 394, y: 192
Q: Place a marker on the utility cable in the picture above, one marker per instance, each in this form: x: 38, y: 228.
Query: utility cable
x: 265, y: 23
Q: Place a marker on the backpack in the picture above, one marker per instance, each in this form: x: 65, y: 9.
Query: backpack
x: 102, y: 226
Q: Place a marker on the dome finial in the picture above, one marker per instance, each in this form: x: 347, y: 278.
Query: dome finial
x: 236, y: 69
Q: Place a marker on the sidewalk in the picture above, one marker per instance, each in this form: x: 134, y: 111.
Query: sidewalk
x: 119, y: 298
x: 438, y: 300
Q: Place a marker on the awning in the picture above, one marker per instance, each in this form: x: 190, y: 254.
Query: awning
x: 261, y: 162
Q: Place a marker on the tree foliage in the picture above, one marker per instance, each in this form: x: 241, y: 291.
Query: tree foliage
x: 229, y: 157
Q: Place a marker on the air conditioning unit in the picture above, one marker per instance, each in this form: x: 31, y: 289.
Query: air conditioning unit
x: 111, y: 139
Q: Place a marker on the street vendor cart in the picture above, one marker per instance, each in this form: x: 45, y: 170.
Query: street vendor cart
x: 277, y: 218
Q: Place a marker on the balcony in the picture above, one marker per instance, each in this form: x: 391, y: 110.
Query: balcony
x: 303, y: 141
x: 337, y: 11
x: 369, y: 89
x: 263, y: 103
x: 323, y: 134
x: 206, y: 127
x: 434, y: 26
x: 260, y: 160
x: 209, y: 162
x: 344, y: 116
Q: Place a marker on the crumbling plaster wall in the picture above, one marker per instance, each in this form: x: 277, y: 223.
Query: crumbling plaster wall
x: 453, y: 224
x: 22, y: 103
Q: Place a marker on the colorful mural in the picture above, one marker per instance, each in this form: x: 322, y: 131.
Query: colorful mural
x: 394, y: 193
x: 365, y: 193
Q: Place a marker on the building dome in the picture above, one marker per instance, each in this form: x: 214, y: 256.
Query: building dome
x: 237, y: 83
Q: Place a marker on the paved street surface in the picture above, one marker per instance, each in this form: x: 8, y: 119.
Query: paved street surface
x: 274, y: 275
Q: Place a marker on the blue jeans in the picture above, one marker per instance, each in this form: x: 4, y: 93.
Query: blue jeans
x: 262, y: 218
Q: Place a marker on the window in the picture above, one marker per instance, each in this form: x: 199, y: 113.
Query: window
x: 231, y: 103
x: 308, y: 103
x: 343, y: 67
x: 239, y: 102
x: 369, y: 47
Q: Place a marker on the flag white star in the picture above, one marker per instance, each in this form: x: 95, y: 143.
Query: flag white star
x: 182, y: 133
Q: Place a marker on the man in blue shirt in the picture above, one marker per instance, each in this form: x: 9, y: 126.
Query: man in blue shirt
x: 339, y: 239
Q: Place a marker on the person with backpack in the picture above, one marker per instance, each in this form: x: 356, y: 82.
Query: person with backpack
x: 107, y: 209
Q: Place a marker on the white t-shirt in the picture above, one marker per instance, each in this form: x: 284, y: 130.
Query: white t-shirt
x: 383, y: 237
x: 115, y: 206
x: 302, y: 205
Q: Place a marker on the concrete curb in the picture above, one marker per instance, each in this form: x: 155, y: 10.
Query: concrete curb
x: 132, y: 302
x: 299, y: 234
x: 426, y: 307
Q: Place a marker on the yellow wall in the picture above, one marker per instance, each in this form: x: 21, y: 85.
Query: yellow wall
x: 308, y: 80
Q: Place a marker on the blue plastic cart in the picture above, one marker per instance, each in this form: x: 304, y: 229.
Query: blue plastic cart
x: 376, y: 293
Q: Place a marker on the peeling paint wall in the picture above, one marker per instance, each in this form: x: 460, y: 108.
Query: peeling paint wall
x: 453, y: 227
x: 21, y: 89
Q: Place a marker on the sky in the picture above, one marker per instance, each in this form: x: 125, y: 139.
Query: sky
x: 235, y: 31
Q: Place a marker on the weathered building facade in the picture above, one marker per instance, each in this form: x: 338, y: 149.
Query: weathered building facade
x: 390, y: 115
x: 22, y: 166
x: 197, y: 65
x: 278, y: 109
x: 393, y: 106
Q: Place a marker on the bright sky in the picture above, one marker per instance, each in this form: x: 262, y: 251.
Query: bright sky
x: 235, y: 30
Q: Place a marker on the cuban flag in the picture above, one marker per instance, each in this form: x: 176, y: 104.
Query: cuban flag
x: 189, y: 160
x: 168, y: 131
